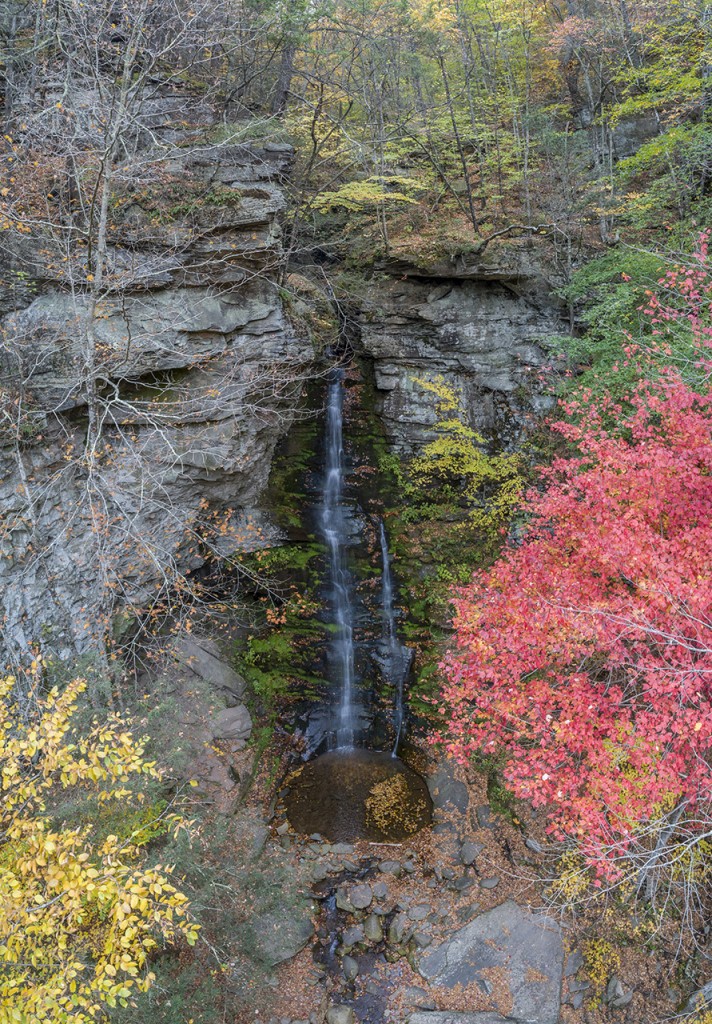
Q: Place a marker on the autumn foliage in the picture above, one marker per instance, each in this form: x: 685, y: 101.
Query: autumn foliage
x: 584, y: 656
x: 80, y: 912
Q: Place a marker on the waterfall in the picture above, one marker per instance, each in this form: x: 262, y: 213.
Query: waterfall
x: 397, y: 657
x: 334, y: 531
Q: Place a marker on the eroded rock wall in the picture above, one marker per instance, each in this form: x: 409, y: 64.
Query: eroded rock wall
x: 482, y: 328
x: 198, y: 375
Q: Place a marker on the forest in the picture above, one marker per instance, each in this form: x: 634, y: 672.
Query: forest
x: 355, y: 511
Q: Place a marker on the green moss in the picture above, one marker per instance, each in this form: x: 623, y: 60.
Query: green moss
x: 176, y: 199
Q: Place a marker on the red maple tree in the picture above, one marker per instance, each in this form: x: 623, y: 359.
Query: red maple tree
x: 583, y: 657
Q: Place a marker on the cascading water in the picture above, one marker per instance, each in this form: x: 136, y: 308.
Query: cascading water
x: 333, y: 528
x: 352, y: 792
x: 397, y: 657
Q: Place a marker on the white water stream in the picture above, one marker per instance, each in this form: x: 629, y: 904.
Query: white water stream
x: 333, y: 525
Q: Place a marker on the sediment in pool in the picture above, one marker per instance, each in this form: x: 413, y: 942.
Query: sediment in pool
x: 353, y: 794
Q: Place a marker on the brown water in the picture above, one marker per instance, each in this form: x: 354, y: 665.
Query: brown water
x: 352, y: 794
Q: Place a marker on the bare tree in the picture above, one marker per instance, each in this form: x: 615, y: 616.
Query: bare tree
x: 156, y: 355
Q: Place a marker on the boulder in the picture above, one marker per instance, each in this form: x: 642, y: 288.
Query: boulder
x: 203, y: 657
x: 343, y: 900
x: 340, y: 1015
x: 361, y: 896
x: 280, y: 936
x: 391, y: 867
x: 232, y: 724
x: 527, y: 947
x: 400, y: 929
x: 446, y: 791
x: 352, y: 936
x: 372, y: 928
x: 419, y: 912
x: 350, y: 968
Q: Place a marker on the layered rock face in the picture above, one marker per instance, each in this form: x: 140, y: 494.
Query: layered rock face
x: 482, y: 328
x: 197, y: 372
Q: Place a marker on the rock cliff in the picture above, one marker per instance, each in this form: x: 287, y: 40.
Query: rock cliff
x: 482, y: 327
x: 198, y: 374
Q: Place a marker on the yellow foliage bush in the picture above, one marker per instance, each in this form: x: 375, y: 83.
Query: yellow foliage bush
x: 572, y: 880
x: 79, y: 915
x: 490, y: 484
x: 601, y: 959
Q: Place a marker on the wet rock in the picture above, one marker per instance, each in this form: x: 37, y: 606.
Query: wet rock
x: 340, y: 1015
x: 352, y: 936
x: 526, y: 947
x: 343, y: 900
x: 470, y: 852
x: 489, y: 883
x: 350, y: 968
x: 399, y: 929
x: 372, y: 928
x: 361, y: 896
x: 391, y: 867
x: 419, y: 912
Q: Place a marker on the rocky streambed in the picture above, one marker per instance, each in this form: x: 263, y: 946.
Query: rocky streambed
x: 452, y: 925
x: 446, y: 927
